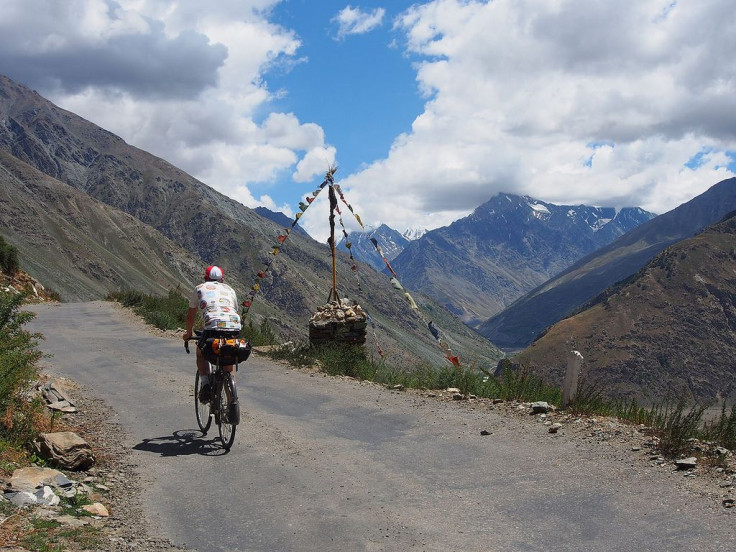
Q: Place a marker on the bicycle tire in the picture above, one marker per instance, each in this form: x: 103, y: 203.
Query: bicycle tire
x: 204, y: 420
x: 226, y: 426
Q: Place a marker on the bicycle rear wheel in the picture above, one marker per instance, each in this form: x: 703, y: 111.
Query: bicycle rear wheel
x: 202, y: 409
x: 228, y: 419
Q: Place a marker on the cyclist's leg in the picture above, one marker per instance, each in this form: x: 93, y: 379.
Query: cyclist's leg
x: 231, y: 392
x: 202, y: 365
x: 231, y: 370
x: 203, y: 368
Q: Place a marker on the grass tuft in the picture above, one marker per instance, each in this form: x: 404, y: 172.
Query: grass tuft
x: 165, y: 313
x: 336, y: 359
x: 723, y: 428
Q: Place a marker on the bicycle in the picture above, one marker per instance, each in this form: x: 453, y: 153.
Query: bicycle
x: 223, y: 405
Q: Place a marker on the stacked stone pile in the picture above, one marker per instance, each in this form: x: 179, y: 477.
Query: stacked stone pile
x: 342, y: 322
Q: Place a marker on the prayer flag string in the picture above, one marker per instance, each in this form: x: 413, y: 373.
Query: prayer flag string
x: 276, y: 249
x: 453, y: 359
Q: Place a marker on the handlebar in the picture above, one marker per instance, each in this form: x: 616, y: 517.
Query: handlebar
x: 196, y: 335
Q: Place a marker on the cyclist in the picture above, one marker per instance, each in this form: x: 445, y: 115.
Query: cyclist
x: 219, y: 306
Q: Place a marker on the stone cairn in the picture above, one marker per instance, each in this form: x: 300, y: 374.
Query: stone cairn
x: 338, y: 322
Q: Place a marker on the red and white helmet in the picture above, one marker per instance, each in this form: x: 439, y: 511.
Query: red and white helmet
x: 214, y: 274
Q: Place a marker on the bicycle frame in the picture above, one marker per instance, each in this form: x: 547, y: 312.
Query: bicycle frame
x: 226, y: 413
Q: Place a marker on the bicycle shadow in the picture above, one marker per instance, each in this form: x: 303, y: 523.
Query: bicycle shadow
x: 183, y: 442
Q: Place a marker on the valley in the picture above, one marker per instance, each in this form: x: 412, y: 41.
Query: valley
x: 90, y: 214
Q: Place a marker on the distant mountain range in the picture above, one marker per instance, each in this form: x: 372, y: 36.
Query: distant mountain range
x: 389, y: 240
x: 508, y: 246
x: 667, y: 332
x: 521, y: 322
x: 91, y: 214
x: 281, y: 219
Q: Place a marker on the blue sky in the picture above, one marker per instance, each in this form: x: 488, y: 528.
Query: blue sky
x: 429, y: 108
x: 360, y: 88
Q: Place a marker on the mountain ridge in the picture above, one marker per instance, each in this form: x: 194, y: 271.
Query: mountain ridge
x: 668, y: 332
x: 516, y: 326
x: 391, y: 242
x: 481, y: 263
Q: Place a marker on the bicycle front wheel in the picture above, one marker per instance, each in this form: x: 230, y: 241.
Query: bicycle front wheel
x: 202, y: 409
x: 229, y: 413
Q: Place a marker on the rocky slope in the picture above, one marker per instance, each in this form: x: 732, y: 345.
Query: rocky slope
x: 517, y: 325
x: 480, y: 264
x: 90, y: 213
x: 22, y: 282
x: 667, y: 332
x: 80, y: 246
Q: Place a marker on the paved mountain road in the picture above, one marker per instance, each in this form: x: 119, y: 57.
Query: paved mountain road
x: 329, y: 464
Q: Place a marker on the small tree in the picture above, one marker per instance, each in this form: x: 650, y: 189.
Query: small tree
x: 8, y: 257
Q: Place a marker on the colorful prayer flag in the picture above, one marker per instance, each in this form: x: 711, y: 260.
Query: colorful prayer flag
x: 410, y: 300
x: 454, y: 360
x: 434, y: 330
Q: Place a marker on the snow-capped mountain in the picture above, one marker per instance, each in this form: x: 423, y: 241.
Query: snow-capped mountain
x: 391, y: 242
x: 481, y: 263
x: 412, y: 234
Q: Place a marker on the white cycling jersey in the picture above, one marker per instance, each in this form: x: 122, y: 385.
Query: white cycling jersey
x: 218, y: 304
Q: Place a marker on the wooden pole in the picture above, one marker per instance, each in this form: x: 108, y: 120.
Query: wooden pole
x: 333, y: 205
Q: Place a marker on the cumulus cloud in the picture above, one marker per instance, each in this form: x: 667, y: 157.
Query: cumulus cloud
x: 516, y: 93
x: 179, y: 79
x: 572, y: 101
x: 315, y: 162
x: 352, y: 21
x: 75, y: 46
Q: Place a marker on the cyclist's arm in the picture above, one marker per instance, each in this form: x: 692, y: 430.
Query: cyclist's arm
x: 191, y: 314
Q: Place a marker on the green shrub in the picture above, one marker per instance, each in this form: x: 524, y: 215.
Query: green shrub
x: 165, y: 313
x: 8, y: 257
x: 676, y: 425
x: 18, y: 370
x: 523, y: 385
x: 263, y: 334
x: 300, y: 354
x: 353, y: 361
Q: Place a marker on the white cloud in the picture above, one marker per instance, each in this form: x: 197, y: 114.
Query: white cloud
x: 284, y: 129
x: 316, y: 162
x: 181, y: 79
x: 352, y: 21
x: 517, y: 90
x: 517, y: 93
